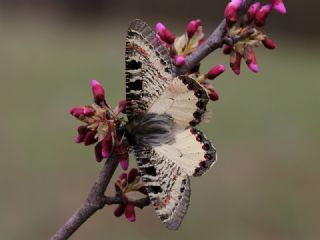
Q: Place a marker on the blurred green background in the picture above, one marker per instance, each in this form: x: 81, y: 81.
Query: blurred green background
x: 265, y: 127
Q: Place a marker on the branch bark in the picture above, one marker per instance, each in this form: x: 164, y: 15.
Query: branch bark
x: 96, y: 199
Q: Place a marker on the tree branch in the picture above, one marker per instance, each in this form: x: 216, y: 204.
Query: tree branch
x: 96, y: 198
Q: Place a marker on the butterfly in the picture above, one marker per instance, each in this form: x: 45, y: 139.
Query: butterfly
x: 162, y: 112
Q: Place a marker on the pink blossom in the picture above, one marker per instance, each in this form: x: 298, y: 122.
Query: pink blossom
x: 193, y: 27
x: 107, y: 146
x: 269, y: 43
x: 180, y: 61
x: 97, y: 91
x: 215, y: 71
x: 129, y: 212
x: 262, y: 14
x: 253, y: 9
x: 164, y: 34
x: 279, y: 6
x: 235, y: 62
x: 213, y: 95
x: 231, y: 12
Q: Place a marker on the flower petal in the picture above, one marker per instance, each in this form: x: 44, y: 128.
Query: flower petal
x: 129, y: 212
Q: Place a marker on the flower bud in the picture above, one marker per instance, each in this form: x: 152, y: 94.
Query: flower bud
x: 107, y: 146
x: 235, y: 62
x: 227, y: 49
x: 133, y: 174
x: 269, y: 43
x: 215, y: 72
x: 82, y: 111
x: 164, y: 34
x: 193, y: 27
x: 251, y: 60
x: 119, y: 210
x: 213, y: 95
x: 90, y: 138
x: 253, y: 10
x: 262, y: 14
x: 97, y: 91
x: 279, y: 6
x: 122, y: 155
x: 129, y: 212
x: 122, y: 106
x: 180, y: 61
x: 82, y: 131
x: 231, y: 12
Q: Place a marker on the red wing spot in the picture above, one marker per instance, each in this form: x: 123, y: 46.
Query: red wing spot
x: 166, y: 200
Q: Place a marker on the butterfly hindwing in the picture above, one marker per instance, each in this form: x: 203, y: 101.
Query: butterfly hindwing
x: 148, y: 68
x: 167, y: 184
x: 191, y: 150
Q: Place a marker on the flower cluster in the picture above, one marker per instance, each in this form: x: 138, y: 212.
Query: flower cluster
x: 127, y: 186
x: 182, y: 46
x: 243, y: 34
x: 103, y: 127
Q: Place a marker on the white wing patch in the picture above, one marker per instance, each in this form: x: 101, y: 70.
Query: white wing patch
x: 184, y: 99
x: 192, y: 151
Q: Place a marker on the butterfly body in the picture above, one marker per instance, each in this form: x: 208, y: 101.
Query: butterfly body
x: 162, y: 111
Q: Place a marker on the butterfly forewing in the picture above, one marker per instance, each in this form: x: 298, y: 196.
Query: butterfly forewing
x: 148, y: 68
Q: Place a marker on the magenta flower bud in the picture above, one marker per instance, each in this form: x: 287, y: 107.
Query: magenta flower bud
x: 180, y: 61
x: 82, y: 131
x: 279, y: 6
x: 251, y: 61
x: 90, y: 138
x: 269, y: 43
x: 215, y: 72
x: 107, y: 146
x: 133, y: 174
x: 213, y: 95
x: 262, y: 14
x: 227, y: 49
x: 124, y: 163
x: 123, y: 179
x: 193, y: 27
x: 164, y: 34
x: 235, y: 62
x: 129, y: 212
x: 98, y: 152
x: 253, y: 67
x: 119, y: 210
x: 97, y: 91
x: 253, y: 9
x: 231, y: 12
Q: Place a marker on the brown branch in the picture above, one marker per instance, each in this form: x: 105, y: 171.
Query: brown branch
x: 96, y: 198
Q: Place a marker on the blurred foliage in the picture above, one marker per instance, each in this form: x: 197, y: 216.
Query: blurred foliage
x: 265, y: 127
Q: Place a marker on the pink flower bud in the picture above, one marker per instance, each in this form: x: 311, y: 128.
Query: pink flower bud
x: 193, y: 27
x: 90, y: 138
x: 251, y: 61
x: 133, y: 174
x: 123, y: 179
x: 122, y: 155
x: 253, y: 9
x: 107, y: 146
x: 98, y: 152
x: 227, y: 49
x: 269, y: 43
x: 129, y: 212
x: 231, y: 12
x: 82, y: 131
x: 82, y: 111
x: 97, y: 91
x: 235, y: 62
x: 279, y: 6
x: 119, y: 210
x: 180, y: 61
x: 213, y: 95
x: 164, y: 34
x: 215, y: 72
x: 262, y: 14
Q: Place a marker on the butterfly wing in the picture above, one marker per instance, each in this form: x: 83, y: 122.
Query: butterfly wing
x: 167, y: 184
x: 148, y: 68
